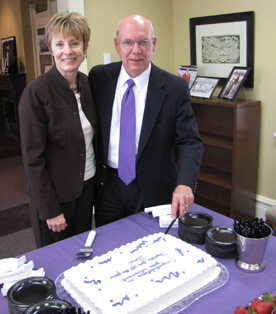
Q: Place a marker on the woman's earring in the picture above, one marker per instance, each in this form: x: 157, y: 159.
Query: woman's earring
x: 85, y: 56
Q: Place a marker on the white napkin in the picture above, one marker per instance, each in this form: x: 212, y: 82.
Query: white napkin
x: 17, y: 274
x: 10, y: 264
x: 159, y: 210
x: 165, y: 220
x: 33, y: 273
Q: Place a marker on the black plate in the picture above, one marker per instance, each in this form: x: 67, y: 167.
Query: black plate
x: 196, y: 220
x: 29, y: 291
x: 220, y: 241
x: 221, y: 235
x: 193, y: 225
x: 53, y: 306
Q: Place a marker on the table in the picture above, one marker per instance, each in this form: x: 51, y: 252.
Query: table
x: 240, y: 289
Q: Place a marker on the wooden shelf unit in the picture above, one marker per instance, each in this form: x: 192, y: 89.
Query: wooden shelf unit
x: 11, y: 88
x: 230, y: 132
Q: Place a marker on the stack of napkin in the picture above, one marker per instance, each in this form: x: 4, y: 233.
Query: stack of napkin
x: 15, y: 269
x: 164, y: 214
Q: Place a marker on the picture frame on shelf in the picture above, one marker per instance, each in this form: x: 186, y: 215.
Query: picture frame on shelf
x: 9, y: 55
x: 204, y: 87
x: 220, y: 42
x: 41, y: 41
x: 188, y: 73
x: 234, y: 83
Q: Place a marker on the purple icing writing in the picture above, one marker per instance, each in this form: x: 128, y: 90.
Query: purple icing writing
x: 201, y: 260
x: 179, y: 251
x: 105, y: 261
x: 139, y: 246
x: 125, y: 298
x: 159, y: 239
x: 96, y: 282
x: 145, y: 271
x: 171, y: 274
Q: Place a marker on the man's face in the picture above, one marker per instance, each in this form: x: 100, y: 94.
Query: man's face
x: 136, y: 59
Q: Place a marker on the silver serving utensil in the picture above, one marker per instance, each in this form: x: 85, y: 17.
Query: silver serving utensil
x: 87, y: 250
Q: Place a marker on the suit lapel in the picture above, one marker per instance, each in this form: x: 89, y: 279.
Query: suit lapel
x: 154, y: 101
x: 107, y: 94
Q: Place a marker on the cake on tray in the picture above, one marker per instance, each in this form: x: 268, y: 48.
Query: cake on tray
x: 145, y: 276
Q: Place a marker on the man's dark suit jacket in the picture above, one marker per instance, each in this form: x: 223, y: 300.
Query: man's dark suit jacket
x: 52, y: 142
x: 168, y: 119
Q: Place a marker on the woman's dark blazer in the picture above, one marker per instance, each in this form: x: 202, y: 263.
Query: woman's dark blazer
x: 52, y: 141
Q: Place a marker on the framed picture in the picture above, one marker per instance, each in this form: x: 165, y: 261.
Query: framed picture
x: 41, y: 40
x: 234, y: 82
x: 204, y: 87
x: 220, y: 42
x: 9, y: 55
x: 188, y: 73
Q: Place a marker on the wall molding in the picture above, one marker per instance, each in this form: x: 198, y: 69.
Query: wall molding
x: 262, y: 205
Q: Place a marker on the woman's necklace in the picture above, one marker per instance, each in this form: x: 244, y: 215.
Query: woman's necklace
x: 74, y: 89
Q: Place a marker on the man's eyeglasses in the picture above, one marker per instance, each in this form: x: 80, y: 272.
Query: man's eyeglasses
x: 129, y: 44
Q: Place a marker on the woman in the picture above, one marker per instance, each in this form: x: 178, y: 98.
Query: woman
x: 57, y: 128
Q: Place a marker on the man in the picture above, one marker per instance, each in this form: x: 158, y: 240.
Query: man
x: 164, y: 117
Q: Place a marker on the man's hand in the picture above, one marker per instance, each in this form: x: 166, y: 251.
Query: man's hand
x: 182, y: 200
x: 57, y: 224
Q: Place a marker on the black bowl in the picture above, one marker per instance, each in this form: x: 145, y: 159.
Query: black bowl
x: 220, y: 241
x: 192, y: 227
x: 52, y: 306
x: 29, y: 291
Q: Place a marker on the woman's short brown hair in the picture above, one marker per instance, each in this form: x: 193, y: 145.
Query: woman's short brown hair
x: 68, y: 22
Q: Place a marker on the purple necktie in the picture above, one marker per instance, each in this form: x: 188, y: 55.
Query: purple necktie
x: 126, y: 167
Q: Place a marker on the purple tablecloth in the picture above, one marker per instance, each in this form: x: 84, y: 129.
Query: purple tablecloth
x: 240, y: 289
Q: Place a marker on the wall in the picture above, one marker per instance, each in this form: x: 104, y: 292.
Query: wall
x: 15, y: 21
x: 265, y: 66
x: 10, y: 25
x: 171, y: 23
x: 104, y: 15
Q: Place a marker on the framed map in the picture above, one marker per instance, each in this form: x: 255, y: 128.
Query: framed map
x: 221, y: 42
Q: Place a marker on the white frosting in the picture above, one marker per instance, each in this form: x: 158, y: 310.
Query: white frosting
x: 144, y: 276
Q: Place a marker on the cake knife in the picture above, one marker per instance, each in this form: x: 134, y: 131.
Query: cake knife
x: 87, y: 250
x: 172, y: 222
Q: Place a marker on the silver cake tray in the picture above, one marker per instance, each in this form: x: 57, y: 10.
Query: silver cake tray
x: 174, y: 308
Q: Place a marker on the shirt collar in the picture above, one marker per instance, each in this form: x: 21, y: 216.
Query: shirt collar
x: 139, y: 81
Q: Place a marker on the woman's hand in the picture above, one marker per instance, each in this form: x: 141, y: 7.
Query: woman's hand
x: 57, y: 224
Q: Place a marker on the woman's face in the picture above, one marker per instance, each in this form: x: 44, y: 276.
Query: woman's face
x: 68, y: 52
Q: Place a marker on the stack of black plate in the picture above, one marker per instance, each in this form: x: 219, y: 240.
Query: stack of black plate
x: 29, y: 291
x: 220, y: 241
x: 193, y: 226
x: 53, y: 306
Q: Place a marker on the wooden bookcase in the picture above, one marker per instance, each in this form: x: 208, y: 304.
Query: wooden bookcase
x: 230, y: 131
x: 11, y: 88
